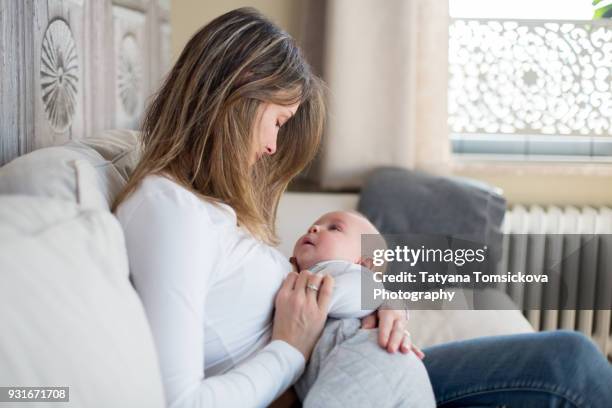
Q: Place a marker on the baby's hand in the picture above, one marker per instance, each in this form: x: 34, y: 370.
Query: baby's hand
x: 408, y: 346
x: 367, y: 262
x: 393, y: 331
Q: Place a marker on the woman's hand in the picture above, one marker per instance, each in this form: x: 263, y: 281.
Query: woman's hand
x: 301, y: 310
x: 393, y: 331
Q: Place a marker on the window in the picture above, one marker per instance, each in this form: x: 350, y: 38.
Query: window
x: 530, y: 80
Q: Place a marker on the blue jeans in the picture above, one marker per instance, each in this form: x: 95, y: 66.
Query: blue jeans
x: 548, y: 369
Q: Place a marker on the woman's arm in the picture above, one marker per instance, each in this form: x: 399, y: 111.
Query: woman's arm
x: 174, y: 250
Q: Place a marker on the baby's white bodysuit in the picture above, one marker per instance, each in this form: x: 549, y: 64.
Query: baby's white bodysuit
x: 346, y: 297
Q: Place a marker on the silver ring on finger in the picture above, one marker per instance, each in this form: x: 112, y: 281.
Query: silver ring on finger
x: 313, y: 287
x: 407, y: 337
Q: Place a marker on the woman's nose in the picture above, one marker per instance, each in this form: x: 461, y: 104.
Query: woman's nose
x: 271, y: 149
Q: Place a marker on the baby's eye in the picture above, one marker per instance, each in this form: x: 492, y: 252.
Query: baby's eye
x: 335, y: 227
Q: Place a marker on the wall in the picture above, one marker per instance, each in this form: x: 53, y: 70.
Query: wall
x: 187, y: 16
x: 548, y: 185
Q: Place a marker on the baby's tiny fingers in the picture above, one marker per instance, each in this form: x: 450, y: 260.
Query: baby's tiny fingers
x: 396, y: 338
x: 419, y: 353
x: 386, y: 322
x: 406, y: 345
x: 369, y: 322
x: 325, y: 293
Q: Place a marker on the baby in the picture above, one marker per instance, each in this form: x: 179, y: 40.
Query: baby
x: 332, y: 246
x: 347, y: 366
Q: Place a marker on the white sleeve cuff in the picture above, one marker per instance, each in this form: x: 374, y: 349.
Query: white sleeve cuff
x: 290, y: 357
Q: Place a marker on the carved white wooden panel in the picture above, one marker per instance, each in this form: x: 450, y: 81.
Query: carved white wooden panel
x: 165, y: 38
x: 138, y: 5
x: 59, y: 75
x: 131, y: 69
x: 13, y: 98
x: 57, y: 71
x: 70, y: 68
x: 159, y: 42
x: 164, y: 9
x: 166, y: 48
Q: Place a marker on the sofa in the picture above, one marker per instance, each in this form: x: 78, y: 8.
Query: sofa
x: 68, y: 312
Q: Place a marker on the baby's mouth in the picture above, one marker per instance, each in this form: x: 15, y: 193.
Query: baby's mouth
x: 307, y: 241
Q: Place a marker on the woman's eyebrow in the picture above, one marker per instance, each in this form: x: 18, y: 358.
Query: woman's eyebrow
x: 285, y: 118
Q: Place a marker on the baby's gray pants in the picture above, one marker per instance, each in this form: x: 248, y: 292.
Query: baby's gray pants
x: 349, y: 369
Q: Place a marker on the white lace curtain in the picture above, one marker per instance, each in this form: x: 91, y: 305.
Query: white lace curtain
x: 386, y: 65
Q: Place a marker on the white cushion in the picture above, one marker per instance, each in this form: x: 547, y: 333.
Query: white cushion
x: 431, y: 327
x: 121, y: 147
x: 68, y: 312
x: 89, y: 171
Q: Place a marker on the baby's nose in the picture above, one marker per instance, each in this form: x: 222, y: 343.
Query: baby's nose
x: 314, y: 229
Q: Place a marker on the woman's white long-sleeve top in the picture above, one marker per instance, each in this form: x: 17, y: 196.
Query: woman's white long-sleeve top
x: 208, y: 290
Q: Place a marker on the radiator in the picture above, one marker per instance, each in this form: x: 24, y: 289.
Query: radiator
x: 535, y: 236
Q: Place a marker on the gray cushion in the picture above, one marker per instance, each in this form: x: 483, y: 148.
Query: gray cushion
x: 437, y: 212
x: 403, y: 201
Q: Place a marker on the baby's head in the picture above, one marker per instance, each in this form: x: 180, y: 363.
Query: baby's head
x: 335, y: 235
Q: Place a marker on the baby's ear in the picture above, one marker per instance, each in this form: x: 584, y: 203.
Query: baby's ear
x: 293, y: 261
x: 367, y: 262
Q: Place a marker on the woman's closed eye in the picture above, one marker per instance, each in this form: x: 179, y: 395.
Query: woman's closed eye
x: 281, y: 122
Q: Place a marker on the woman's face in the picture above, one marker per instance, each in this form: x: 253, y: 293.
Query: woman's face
x: 271, y: 118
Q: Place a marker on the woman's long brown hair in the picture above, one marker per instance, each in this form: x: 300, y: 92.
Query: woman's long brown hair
x: 198, y: 128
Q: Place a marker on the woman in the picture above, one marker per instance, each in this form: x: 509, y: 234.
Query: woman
x: 239, y: 115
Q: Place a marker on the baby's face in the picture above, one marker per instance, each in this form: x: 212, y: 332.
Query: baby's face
x: 336, y: 235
